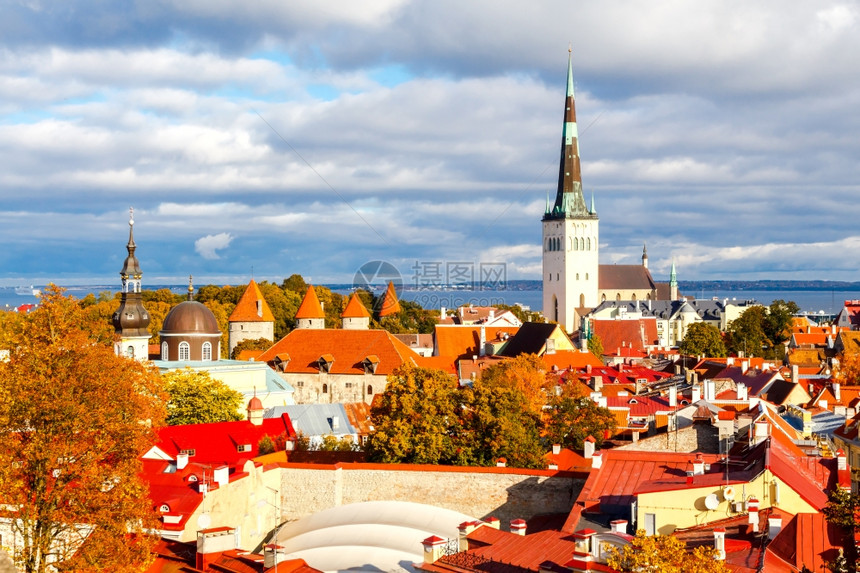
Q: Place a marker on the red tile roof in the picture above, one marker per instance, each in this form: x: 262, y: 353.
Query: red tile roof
x: 310, y: 307
x: 246, y: 308
x: 355, y: 308
x: 618, y: 334
x: 464, y: 341
x: 390, y: 304
x: 349, y: 348
x: 570, y: 360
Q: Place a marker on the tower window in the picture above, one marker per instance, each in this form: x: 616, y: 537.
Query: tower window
x: 184, y: 351
x: 325, y: 389
x: 164, y: 351
x: 207, y: 351
x: 588, y: 244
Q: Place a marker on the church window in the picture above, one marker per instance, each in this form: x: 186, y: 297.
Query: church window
x: 184, y: 351
x: 575, y: 244
x: 207, y: 351
x: 164, y: 351
x: 129, y: 351
x: 582, y: 300
x: 586, y: 276
x: 588, y: 244
x: 581, y: 244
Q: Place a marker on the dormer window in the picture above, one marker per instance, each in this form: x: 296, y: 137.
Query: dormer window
x: 370, y: 364
x: 243, y: 448
x: 325, y: 362
x: 164, y: 508
x: 189, y: 452
x: 192, y: 478
x: 281, y: 362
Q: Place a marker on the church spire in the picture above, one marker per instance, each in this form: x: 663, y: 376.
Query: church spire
x: 131, y: 321
x: 130, y: 272
x: 569, y: 201
x: 644, y: 255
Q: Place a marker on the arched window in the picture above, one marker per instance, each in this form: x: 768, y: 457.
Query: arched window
x: 164, y: 351
x: 603, y: 298
x: 129, y: 351
x: 184, y: 351
x: 633, y: 296
x: 575, y: 244
x: 577, y: 276
x: 325, y: 389
x: 369, y: 390
x: 588, y: 244
x: 555, y: 308
x: 586, y: 276
x: 557, y: 276
x: 582, y: 244
x: 582, y: 300
x: 618, y: 296
x: 207, y: 351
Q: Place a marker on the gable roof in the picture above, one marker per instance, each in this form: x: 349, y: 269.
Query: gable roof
x: 247, y: 309
x: 348, y: 348
x: 465, y: 341
x: 616, y: 334
x: 625, y: 277
x: 310, y: 307
x: 529, y: 339
x: 355, y: 308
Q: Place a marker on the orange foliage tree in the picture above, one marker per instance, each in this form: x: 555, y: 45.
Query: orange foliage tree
x: 663, y: 553
x: 75, y: 418
x: 849, y: 369
x: 526, y: 374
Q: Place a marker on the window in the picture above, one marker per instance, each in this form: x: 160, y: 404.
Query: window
x: 129, y: 351
x: 164, y: 351
x: 325, y: 389
x: 164, y: 508
x: 189, y: 452
x: 369, y: 390
x: 348, y: 384
x: 300, y: 384
x: 207, y: 351
x: 184, y: 351
x: 243, y: 448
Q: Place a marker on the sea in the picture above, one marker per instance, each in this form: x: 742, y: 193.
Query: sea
x: 814, y: 302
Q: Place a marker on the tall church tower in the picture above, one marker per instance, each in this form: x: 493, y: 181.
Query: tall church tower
x: 570, y: 232
x: 131, y: 321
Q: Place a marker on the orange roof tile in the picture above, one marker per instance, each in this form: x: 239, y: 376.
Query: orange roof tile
x: 570, y: 359
x: 390, y: 304
x: 354, y: 308
x: 348, y: 350
x: 310, y: 307
x: 464, y: 341
x: 246, y: 309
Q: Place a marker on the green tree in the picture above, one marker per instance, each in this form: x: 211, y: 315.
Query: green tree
x: 746, y: 333
x: 842, y: 509
x: 331, y: 443
x: 777, y: 324
x: 414, y: 418
x: 197, y: 398
x: 251, y: 344
x: 595, y: 346
x: 703, y: 339
x: 283, y: 304
x: 295, y: 283
x: 573, y: 416
x: 663, y: 553
x: 75, y: 418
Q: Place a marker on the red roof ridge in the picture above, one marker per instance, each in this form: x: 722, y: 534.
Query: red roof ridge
x: 310, y: 307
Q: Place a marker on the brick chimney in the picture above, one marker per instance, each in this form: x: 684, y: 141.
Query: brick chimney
x: 211, y: 543
x: 518, y: 526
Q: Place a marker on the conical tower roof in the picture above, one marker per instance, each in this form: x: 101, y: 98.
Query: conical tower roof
x: 310, y: 307
x: 252, y: 306
x: 355, y: 308
x: 390, y: 304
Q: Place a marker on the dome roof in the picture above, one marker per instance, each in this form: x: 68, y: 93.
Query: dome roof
x: 190, y: 317
x: 255, y: 404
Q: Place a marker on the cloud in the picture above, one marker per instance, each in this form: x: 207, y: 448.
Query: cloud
x: 207, y: 246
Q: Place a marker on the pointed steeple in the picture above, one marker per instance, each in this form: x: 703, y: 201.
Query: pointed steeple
x: 673, y: 276
x: 310, y: 313
x: 569, y: 201
x: 644, y: 255
x: 131, y: 320
x: 390, y: 304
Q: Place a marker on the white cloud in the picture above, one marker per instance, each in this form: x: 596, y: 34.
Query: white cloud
x: 207, y: 246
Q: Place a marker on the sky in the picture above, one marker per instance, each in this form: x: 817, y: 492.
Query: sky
x: 270, y: 138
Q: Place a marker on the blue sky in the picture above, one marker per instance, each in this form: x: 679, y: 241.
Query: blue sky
x: 312, y: 136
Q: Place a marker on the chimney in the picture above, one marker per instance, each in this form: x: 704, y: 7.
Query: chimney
x: 762, y: 430
x: 443, y: 312
x: 582, y: 545
x: 492, y: 314
x: 465, y: 529
x: 221, y: 475
x: 273, y: 555
x: 673, y: 396
x: 211, y: 543
x: 837, y: 391
x: 434, y: 548
x: 588, y: 368
x: 501, y: 462
x: 795, y: 371
x: 518, y: 526
x: 710, y: 390
x: 752, y: 509
x: 745, y: 365
x: 774, y: 526
x: 618, y: 526
x: 588, y: 447
x: 482, y: 347
x: 720, y: 542
x: 742, y: 392
x: 841, y: 460
x: 697, y: 394
x: 730, y: 361
x: 492, y: 522
x: 597, y: 460
x: 597, y: 383
x: 181, y: 461
x: 556, y: 449
x: 698, y: 465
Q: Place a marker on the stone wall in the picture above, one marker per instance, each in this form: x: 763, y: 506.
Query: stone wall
x: 505, y: 493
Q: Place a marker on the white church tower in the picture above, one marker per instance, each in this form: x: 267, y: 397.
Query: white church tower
x: 570, y: 233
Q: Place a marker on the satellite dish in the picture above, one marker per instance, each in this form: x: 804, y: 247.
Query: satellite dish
x: 204, y: 521
x: 711, y: 502
x: 728, y: 493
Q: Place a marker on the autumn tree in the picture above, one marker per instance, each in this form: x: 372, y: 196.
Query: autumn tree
x: 573, y: 416
x: 703, y: 339
x: 251, y: 344
x: 848, y: 372
x: 194, y: 397
x: 663, y: 553
x: 75, y: 418
x: 414, y: 418
x: 595, y: 346
x: 524, y: 372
